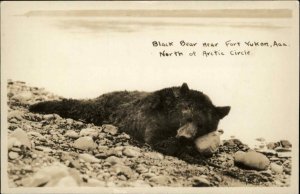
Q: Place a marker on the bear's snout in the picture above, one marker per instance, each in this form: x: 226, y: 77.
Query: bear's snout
x: 188, y: 131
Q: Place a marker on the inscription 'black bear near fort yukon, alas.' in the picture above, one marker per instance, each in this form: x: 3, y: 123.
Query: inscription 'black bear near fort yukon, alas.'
x: 168, y: 119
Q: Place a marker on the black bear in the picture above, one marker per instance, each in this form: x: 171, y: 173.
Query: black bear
x: 156, y: 118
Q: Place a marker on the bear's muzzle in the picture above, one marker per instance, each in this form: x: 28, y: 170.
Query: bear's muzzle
x: 188, y: 131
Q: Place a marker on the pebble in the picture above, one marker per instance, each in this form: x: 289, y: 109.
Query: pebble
x: 49, y: 117
x: 141, y: 169
x: 89, y: 132
x: 282, y: 149
x: 124, y: 136
x: 72, y: 134
x: 272, y: 145
x: 252, y: 159
x: 154, y: 155
x: 69, y: 121
x: 129, y: 152
x: 117, y: 151
x: 284, y: 154
x: 276, y: 168
x: 44, y: 149
x: 21, y: 136
x: 285, y: 144
x: 110, y: 129
x: 85, y: 143
x: 88, y: 158
x: 13, y: 155
x: 114, y: 160
x: 267, y: 152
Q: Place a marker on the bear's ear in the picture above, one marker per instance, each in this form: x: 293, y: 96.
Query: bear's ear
x: 223, y: 111
x: 184, y: 88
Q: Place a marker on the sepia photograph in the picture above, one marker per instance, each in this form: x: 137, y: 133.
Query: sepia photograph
x: 150, y: 97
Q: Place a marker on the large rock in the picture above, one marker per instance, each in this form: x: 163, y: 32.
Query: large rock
x: 208, y: 144
x: 251, y: 160
x: 85, y: 143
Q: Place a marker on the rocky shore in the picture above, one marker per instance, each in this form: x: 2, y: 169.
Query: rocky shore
x: 47, y: 150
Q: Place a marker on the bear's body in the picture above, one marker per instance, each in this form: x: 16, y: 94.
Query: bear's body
x: 155, y: 118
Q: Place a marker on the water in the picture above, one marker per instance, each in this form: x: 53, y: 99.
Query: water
x: 85, y: 57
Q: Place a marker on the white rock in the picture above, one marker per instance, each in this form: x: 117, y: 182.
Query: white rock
x: 208, y: 144
x: 89, y: 132
x: 110, y: 129
x: 72, y: 134
x: 114, y: 160
x: 252, y: 159
x: 49, y: 117
x: 154, y: 155
x: 130, y: 152
x: 88, y: 158
x: 13, y: 155
x: 85, y: 143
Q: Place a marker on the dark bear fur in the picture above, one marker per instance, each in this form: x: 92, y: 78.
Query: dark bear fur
x: 158, y: 118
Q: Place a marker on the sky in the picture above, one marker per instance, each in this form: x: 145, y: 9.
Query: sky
x: 88, y: 52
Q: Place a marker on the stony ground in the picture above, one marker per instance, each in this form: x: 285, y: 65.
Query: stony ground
x: 47, y: 150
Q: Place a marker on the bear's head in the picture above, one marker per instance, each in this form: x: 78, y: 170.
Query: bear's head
x: 186, y: 113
